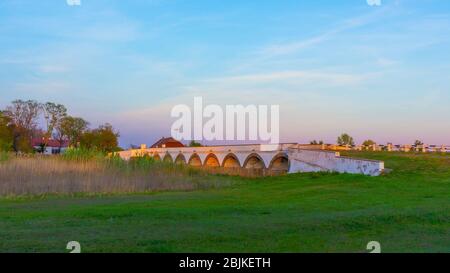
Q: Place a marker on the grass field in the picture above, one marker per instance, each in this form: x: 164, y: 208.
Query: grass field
x: 407, y: 210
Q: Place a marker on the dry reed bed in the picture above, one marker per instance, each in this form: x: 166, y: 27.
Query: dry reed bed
x: 43, y: 175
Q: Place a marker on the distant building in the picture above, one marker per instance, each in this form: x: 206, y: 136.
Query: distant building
x: 53, y: 146
x: 167, y: 142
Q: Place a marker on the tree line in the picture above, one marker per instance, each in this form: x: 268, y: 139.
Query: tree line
x: 347, y: 140
x: 19, y: 124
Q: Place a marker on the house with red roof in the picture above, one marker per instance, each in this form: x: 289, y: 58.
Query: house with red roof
x: 53, y: 146
x: 167, y: 142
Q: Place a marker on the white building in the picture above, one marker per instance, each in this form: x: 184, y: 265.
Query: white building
x: 53, y: 146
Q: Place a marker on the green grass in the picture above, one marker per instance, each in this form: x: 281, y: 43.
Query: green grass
x: 407, y: 210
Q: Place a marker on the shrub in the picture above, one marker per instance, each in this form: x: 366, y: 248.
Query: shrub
x: 82, y: 154
x: 3, y: 156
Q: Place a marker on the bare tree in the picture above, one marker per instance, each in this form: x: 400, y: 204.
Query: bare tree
x: 23, y: 116
x: 53, y: 114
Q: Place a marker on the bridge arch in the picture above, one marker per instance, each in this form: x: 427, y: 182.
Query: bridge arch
x: 231, y: 161
x: 195, y: 160
x: 254, y: 161
x: 181, y: 160
x: 211, y: 160
x: 156, y: 157
x: 168, y: 158
x: 279, y: 163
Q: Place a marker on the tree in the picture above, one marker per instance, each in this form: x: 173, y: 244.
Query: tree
x: 6, y: 133
x: 368, y: 143
x: 418, y: 143
x: 104, y: 139
x: 70, y: 129
x: 193, y: 143
x: 53, y: 114
x: 315, y: 142
x: 345, y: 139
x: 134, y: 146
x: 23, y: 117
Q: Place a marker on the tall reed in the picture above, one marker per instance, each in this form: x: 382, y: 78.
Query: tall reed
x: 83, y: 172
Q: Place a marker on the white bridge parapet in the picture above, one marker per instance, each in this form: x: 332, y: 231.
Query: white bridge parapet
x: 281, y: 158
x: 315, y: 161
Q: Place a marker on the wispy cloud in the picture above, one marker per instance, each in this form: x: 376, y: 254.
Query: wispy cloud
x: 386, y: 62
x: 339, y: 27
x: 293, y: 77
x: 43, y: 88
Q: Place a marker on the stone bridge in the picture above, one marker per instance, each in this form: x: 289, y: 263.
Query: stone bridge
x: 274, y: 159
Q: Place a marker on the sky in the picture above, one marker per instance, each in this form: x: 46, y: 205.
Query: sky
x: 375, y: 72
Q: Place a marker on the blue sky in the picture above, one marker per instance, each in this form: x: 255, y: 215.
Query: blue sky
x: 379, y: 72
